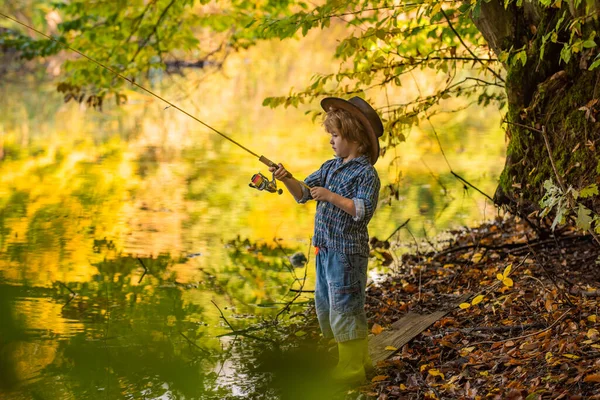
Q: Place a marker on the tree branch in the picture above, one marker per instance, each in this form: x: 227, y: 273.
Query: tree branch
x: 468, y: 48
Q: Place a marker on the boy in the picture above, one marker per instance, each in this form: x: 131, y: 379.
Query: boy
x: 346, y: 189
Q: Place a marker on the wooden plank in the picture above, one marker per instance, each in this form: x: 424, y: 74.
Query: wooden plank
x: 404, y: 330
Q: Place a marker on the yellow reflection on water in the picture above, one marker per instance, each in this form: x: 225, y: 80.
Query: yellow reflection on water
x: 151, y: 181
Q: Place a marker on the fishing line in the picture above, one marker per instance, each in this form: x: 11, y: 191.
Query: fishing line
x: 262, y: 159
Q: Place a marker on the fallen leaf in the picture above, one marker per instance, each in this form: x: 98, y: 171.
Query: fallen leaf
x: 476, y: 257
x: 390, y: 348
x: 466, y: 350
x: 376, y: 329
x: 379, y: 378
x: 464, y: 306
x: 592, y: 378
x: 529, y: 346
x: 591, y: 318
x: 477, y: 300
x: 592, y: 334
x: 571, y: 356
x: 435, y: 372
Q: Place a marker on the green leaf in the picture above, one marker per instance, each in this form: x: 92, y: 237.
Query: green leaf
x: 588, y: 44
x: 594, y: 65
x: 584, y: 220
x: 522, y: 56
x: 589, y: 191
x: 565, y: 54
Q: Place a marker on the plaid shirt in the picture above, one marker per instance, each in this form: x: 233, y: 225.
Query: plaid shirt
x: 335, y: 229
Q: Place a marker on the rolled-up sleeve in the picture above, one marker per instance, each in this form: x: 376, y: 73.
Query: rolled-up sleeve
x: 367, y: 196
x: 312, y: 180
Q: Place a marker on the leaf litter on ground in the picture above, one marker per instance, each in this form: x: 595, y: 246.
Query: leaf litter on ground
x: 528, y: 331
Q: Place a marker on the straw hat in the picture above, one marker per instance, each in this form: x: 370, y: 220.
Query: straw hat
x: 365, y: 114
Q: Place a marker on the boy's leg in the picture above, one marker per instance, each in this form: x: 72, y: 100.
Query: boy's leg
x: 347, y: 278
x: 322, y: 304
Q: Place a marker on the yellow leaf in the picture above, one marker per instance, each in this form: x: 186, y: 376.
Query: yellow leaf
x: 466, y: 350
x: 391, y: 348
x: 548, y: 356
x: 376, y: 329
x: 484, y: 373
x: 379, y: 378
x: 500, y: 277
x: 435, y: 372
x: 571, y: 356
x: 507, y: 270
x: 477, y: 300
x: 596, y: 346
x: 464, y: 305
x: 424, y: 367
x: 592, y: 334
x: 507, y: 282
x: 476, y: 257
x: 591, y: 318
x: 402, y: 386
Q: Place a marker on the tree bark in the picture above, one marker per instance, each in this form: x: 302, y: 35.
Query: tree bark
x: 545, y: 93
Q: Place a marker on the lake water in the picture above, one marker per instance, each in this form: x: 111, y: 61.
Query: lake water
x: 124, y: 234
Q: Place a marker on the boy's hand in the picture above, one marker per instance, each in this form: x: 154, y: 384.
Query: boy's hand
x: 280, y: 172
x: 321, y: 194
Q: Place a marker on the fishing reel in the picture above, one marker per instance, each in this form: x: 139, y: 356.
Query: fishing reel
x: 261, y: 182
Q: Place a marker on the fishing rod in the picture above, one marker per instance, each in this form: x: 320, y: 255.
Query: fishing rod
x: 258, y: 180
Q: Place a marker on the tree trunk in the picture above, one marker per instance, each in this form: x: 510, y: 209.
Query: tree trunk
x: 544, y: 95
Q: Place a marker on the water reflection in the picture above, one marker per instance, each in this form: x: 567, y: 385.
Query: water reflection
x: 122, y: 232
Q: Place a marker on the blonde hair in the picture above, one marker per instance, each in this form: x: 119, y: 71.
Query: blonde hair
x: 349, y: 127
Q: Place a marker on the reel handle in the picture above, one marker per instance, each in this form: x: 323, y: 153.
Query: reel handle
x: 270, y: 163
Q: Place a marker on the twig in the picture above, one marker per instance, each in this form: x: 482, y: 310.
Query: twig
x: 436, y: 178
x: 469, y: 184
x: 512, y: 247
x: 502, y: 328
x: 194, y: 344
x: 298, y: 293
x: 223, y: 317
x: 551, y: 277
x: 397, y: 229
x: 525, y: 336
x: 570, y: 199
x: 71, y: 297
x: 468, y: 48
x: 145, y: 270
x: 235, y: 332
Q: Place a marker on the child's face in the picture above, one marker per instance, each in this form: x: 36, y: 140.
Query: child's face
x: 342, y: 147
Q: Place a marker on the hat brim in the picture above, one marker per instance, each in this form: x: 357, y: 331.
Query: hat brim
x: 338, y: 103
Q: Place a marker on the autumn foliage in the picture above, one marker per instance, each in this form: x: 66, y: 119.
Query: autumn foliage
x: 528, y: 331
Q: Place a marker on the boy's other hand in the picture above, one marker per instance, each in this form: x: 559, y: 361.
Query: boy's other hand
x: 320, y: 193
x: 280, y: 172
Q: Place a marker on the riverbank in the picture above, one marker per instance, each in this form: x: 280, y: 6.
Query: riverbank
x: 528, y: 329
